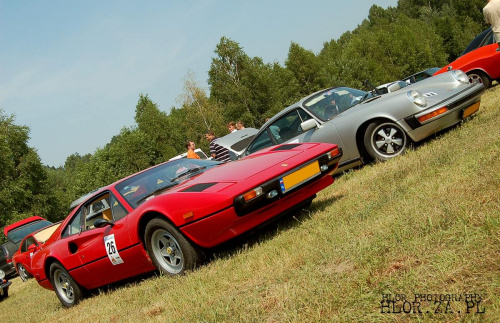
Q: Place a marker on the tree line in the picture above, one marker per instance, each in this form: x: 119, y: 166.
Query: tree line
x: 388, y: 45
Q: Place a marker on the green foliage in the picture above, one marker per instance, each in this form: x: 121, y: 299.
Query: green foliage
x: 24, y: 189
x: 305, y: 66
x: 248, y: 89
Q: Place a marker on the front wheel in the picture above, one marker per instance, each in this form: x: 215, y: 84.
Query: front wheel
x: 67, y: 290
x: 23, y: 273
x: 384, y: 140
x: 169, y: 250
x: 479, y: 77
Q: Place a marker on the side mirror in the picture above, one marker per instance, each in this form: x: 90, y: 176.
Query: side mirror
x: 308, y: 125
x: 101, y: 223
x: 32, y: 247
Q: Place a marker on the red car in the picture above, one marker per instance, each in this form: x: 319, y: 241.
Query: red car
x: 28, y: 246
x: 16, y: 232
x: 164, y: 217
x: 480, y: 60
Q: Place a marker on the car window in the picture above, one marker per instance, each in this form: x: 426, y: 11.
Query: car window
x: 18, y: 234
x: 26, y: 243
x: 262, y: 141
x: 287, y: 127
x: 117, y: 209
x: 138, y: 188
x: 105, y: 207
x: 483, y: 39
x: 74, y: 226
x: 331, y: 102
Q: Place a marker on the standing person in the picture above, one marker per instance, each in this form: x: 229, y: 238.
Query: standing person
x: 191, y: 147
x: 216, y: 151
x: 491, y: 14
x: 239, y: 125
x: 231, y: 127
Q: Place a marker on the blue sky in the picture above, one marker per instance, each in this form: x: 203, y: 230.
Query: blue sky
x: 72, y: 71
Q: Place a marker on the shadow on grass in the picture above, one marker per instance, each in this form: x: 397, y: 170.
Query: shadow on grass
x: 269, y: 230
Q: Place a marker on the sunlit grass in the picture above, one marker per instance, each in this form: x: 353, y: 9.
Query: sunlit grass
x: 427, y: 222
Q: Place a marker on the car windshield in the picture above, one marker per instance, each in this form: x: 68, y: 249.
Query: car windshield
x: 140, y: 187
x: 18, y: 234
x: 483, y: 39
x: 329, y: 103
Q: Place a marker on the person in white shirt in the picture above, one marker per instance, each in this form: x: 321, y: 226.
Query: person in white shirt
x: 491, y: 14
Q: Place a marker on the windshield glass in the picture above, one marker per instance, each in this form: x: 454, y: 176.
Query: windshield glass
x: 18, y: 234
x: 329, y: 103
x: 138, y: 188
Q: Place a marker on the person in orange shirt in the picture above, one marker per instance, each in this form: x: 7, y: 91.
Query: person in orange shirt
x: 190, y: 147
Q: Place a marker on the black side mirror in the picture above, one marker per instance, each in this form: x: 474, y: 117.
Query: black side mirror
x: 101, y: 223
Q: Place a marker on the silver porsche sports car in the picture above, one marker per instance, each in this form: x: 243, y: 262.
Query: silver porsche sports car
x: 367, y: 125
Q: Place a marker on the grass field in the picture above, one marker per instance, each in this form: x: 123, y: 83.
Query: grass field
x: 425, y: 223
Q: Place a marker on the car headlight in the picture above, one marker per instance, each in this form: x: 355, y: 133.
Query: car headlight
x: 417, y: 98
x: 2, y: 274
x: 460, y: 76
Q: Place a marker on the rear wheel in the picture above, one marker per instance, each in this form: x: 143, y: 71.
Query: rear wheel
x: 169, y: 250
x: 480, y: 77
x: 23, y: 273
x: 67, y: 290
x: 384, y: 140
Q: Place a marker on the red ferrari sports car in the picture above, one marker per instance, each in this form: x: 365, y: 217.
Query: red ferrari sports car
x: 162, y: 218
x: 28, y: 246
x: 480, y: 60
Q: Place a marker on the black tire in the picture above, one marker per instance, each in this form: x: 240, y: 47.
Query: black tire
x: 5, y: 294
x: 384, y: 140
x: 170, y: 251
x: 23, y: 273
x: 67, y: 290
x: 481, y: 77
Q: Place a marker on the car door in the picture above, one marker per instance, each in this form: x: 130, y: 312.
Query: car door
x: 325, y: 132
x: 27, y: 249
x: 98, y: 250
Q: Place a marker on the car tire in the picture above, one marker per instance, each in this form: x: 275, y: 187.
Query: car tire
x: 479, y: 76
x: 67, y: 290
x: 170, y: 251
x: 23, y: 273
x: 384, y: 140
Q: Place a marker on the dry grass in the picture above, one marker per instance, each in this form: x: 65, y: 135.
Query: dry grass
x: 427, y: 222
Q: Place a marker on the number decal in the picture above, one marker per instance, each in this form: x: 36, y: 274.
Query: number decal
x: 111, y: 250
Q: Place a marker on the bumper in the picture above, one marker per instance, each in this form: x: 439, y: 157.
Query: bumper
x: 227, y: 224
x: 4, y: 287
x: 457, y: 110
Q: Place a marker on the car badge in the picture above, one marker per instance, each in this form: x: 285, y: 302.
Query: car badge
x: 284, y: 165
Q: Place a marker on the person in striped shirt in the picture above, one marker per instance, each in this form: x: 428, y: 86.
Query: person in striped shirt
x: 216, y: 151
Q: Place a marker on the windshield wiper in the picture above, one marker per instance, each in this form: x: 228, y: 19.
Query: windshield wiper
x: 161, y: 189
x: 189, y: 171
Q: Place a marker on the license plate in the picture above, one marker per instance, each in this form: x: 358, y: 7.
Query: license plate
x: 300, y: 176
x: 470, y: 110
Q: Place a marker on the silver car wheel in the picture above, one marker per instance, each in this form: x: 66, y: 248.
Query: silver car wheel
x: 23, y: 273
x: 385, y: 140
x: 167, y: 251
x: 480, y: 78
x: 63, y: 286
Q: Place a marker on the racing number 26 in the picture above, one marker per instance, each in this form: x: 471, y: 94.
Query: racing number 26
x: 111, y: 247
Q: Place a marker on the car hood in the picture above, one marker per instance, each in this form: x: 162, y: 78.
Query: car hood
x: 246, y: 168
